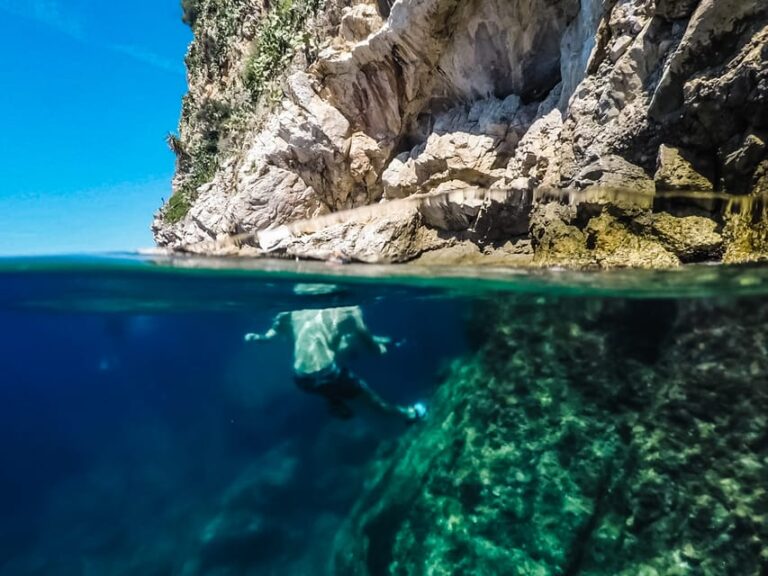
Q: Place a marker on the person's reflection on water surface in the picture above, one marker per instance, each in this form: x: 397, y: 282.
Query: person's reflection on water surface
x: 323, y: 341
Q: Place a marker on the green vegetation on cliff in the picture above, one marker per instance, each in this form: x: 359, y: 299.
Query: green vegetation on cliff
x: 281, y: 33
x: 199, y: 164
x: 190, y: 10
x: 212, y: 124
x: 181, y: 201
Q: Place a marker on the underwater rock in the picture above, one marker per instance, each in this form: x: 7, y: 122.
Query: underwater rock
x: 286, y: 500
x: 613, y: 437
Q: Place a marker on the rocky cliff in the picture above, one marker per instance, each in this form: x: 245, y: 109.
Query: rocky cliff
x: 584, y: 132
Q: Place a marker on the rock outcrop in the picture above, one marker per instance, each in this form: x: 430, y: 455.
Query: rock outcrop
x: 606, y: 437
x: 304, y: 109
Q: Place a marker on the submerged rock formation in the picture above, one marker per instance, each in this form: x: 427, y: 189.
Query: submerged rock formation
x: 306, y: 108
x: 597, y: 437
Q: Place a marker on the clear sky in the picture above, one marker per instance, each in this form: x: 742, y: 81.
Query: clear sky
x: 88, y: 91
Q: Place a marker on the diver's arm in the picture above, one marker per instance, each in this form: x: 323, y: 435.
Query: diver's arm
x: 382, y: 343
x: 377, y: 344
x: 278, y: 327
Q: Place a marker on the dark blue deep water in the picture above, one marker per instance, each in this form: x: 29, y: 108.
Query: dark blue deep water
x: 140, y: 434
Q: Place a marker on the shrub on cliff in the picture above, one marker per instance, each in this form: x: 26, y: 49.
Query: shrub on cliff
x: 203, y: 169
x: 279, y: 35
x: 190, y: 10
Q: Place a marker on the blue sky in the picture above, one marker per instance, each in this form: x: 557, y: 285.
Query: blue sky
x: 88, y: 91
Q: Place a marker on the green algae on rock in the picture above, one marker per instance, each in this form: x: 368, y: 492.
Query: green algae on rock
x: 746, y: 231
x: 611, y: 228
x: 585, y: 437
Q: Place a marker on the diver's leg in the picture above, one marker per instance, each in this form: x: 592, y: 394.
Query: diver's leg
x: 329, y: 385
x: 373, y: 399
x: 410, y: 413
x: 339, y: 409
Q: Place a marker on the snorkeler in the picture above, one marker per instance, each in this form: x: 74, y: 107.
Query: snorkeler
x: 322, y: 340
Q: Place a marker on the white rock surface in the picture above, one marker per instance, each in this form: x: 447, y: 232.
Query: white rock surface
x: 516, y: 95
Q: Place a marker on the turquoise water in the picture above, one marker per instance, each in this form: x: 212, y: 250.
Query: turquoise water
x: 579, y: 423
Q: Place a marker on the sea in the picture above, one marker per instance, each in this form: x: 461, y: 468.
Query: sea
x: 141, y: 433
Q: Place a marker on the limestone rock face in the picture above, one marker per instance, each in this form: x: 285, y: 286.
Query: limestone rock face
x: 465, y: 143
x: 379, y: 102
x: 359, y: 21
x: 614, y: 172
x: 396, y: 237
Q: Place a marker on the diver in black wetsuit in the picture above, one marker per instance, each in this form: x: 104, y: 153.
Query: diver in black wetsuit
x: 322, y: 340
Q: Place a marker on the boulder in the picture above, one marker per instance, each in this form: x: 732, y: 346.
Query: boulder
x: 690, y: 238
x: 614, y: 172
x: 675, y: 171
x: 614, y: 245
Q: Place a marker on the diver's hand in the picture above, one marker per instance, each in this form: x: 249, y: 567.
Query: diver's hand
x: 383, y: 343
x: 414, y: 413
